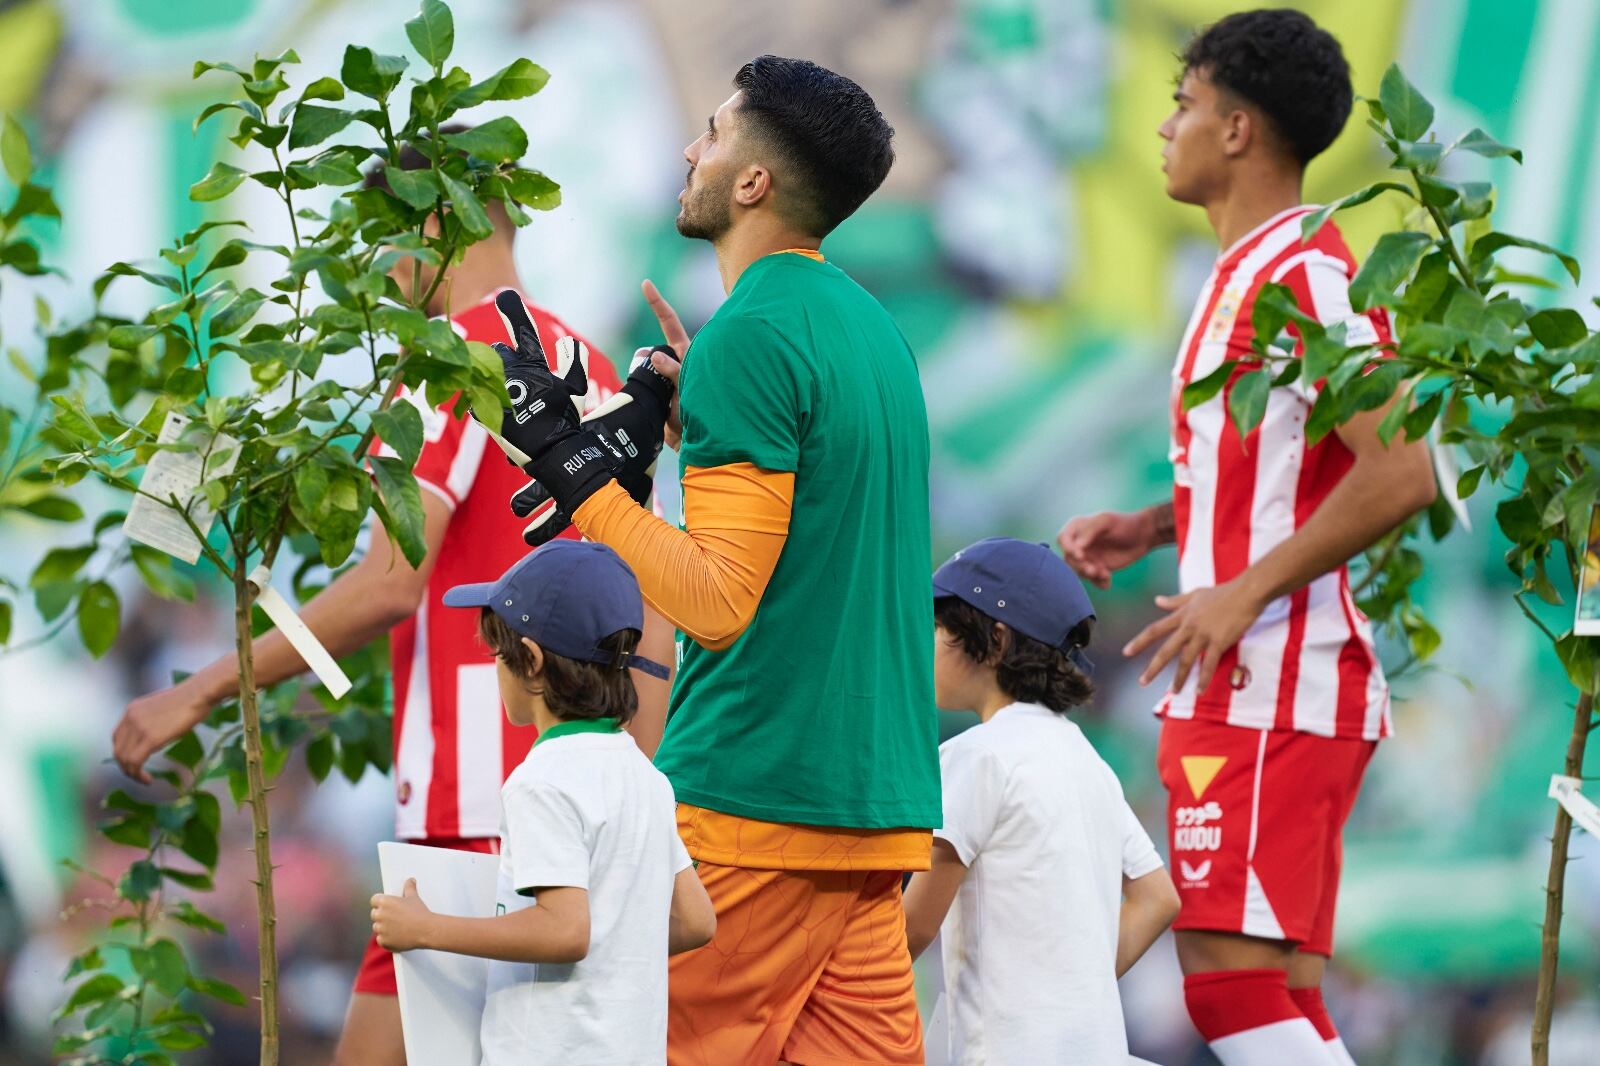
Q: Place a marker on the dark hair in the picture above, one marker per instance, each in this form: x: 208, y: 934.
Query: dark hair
x: 1286, y: 65
x: 411, y: 157
x: 831, y: 140
x: 572, y: 688
x: 1027, y: 670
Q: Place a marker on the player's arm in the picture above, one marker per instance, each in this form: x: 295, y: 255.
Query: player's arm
x: 693, y: 920
x: 708, y: 578
x: 1098, y: 545
x: 650, y: 720
x: 363, y: 603
x: 928, y: 897
x: 1149, y: 905
x: 555, y: 929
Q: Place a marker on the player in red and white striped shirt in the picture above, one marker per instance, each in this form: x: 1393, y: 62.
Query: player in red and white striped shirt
x: 452, y: 744
x: 1278, y: 698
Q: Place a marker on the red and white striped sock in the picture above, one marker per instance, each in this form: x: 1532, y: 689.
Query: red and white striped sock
x: 1249, y: 1019
x: 1310, y: 1002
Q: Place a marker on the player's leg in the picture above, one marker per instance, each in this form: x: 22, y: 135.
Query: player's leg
x: 735, y: 999
x: 372, y: 1035
x: 1309, y: 963
x: 1246, y: 885
x: 862, y: 1011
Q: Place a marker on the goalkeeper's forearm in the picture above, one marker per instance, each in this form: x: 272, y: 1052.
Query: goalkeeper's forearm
x: 706, y: 579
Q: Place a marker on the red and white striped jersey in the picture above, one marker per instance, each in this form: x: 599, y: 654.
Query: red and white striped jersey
x: 452, y: 744
x: 1308, y: 664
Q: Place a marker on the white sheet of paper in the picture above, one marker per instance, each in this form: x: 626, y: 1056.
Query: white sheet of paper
x: 441, y: 994
x: 178, y: 474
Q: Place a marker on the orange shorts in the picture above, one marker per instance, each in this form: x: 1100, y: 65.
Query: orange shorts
x: 807, y: 966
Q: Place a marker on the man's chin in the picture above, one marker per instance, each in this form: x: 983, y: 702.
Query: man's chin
x: 692, y: 228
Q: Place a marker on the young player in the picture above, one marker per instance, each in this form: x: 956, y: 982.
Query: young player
x: 1056, y: 888
x: 1278, y: 699
x: 452, y: 747
x: 803, y: 740
x: 595, y: 887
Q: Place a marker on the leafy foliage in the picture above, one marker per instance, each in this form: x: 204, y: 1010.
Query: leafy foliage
x: 285, y: 449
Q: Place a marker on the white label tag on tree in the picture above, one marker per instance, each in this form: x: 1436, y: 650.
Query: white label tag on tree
x: 1566, y: 791
x: 178, y: 475
x: 298, y: 634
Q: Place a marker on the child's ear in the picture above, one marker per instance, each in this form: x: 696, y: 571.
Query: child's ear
x: 1001, y: 638
x: 535, y: 654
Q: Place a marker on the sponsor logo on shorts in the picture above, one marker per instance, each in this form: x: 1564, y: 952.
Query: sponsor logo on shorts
x: 1194, y: 829
x: 1195, y: 875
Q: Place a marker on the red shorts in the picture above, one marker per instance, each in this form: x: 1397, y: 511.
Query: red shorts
x: 376, y: 976
x: 1254, y: 825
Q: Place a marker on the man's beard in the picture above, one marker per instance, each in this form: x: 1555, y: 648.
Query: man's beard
x: 706, y: 214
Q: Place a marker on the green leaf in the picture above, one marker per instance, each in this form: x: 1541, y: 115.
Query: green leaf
x: 236, y: 313
x: 99, y: 615
x: 177, y: 1038
x: 1422, y: 417
x: 1475, y: 140
x: 319, y: 757
x: 314, y: 124
x: 1408, y: 110
x: 1387, y: 266
x: 229, y: 255
x: 1247, y: 400
x: 370, y: 74
x: 464, y: 204
x: 14, y: 152
x: 1557, y: 327
x: 221, y: 180
x: 5, y: 621
x: 331, y: 168
x: 140, y: 881
x: 130, y: 336
x: 54, y: 509
x: 1423, y: 156
x: 522, y: 78
x: 60, y: 564
x: 400, y: 427
x: 323, y: 89
x: 500, y: 140
x: 1317, y: 219
x: 1490, y: 243
x: 1198, y: 392
x: 168, y: 969
x: 403, y: 501
x: 532, y: 189
x: 1437, y: 192
x: 1580, y: 656
x: 418, y: 188
x: 195, y: 918
x: 1467, y: 483
x: 101, y: 986
x: 218, y: 990
x: 187, y: 751
x: 432, y: 33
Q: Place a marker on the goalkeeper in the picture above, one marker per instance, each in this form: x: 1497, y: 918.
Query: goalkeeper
x: 802, y: 742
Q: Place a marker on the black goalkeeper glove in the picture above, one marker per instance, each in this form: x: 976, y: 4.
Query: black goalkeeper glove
x: 634, y: 420
x: 542, y: 432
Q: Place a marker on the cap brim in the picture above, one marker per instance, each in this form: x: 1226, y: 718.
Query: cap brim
x: 469, y: 595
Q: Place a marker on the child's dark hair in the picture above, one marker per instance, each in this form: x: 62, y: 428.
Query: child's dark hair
x: 1286, y: 65
x: 1027, y: 670
x: 572, y: 689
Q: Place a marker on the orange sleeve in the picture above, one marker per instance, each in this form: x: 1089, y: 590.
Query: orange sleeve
x: 706, y: 579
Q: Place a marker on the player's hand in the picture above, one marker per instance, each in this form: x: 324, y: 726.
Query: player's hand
x: 677, y: 338
x: 1098, y: 545
x: 1199, y: 629
x: 401, y: 922
x: 152, y: 722
x: 544, y: 407
x: 634, y: 420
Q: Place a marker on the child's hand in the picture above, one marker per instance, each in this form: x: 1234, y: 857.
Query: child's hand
x: 400, y: 922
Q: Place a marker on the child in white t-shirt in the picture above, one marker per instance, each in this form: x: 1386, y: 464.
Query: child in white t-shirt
x: 596, y: 889
x: 1056, y: 887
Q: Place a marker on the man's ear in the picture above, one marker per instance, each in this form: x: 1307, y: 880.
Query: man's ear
x: 535, y: 654
x: 1240, y: 129
x: 754, y: 186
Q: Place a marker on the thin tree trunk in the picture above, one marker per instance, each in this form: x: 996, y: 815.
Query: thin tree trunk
x: 1555, y: 883
x: 266, y: 911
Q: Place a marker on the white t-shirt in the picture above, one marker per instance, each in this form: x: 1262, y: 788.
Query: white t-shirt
x: 1030, y: 943
x: 587, y: 810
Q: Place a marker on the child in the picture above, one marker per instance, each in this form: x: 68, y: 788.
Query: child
x: 1057, y: 888
x: 596, y: 890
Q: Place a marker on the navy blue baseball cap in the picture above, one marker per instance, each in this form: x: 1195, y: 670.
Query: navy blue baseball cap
x: 567, y: 596
x: 1027, y: 586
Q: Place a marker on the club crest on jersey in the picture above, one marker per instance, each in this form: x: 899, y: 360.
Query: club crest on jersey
x: 1222, y: 316
x: 1195, y: 875
x: 1195, y: 828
